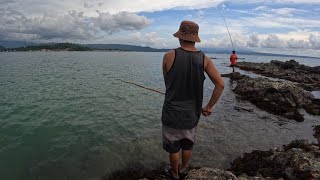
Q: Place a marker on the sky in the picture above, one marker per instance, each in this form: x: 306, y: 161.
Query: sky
x: 273, y: 26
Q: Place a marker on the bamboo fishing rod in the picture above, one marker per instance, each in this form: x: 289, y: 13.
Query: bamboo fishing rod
x: 150, y: 89
x: 224, y: 20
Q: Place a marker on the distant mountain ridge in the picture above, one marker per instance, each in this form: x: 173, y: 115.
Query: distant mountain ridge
x: 124, y: 47
x: 53, y: 47
x: 15, y: 44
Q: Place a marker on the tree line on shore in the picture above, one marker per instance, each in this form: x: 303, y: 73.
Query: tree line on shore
x: 49, y: 47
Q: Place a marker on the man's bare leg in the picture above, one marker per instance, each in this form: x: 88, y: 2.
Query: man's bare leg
x: 174, y: 161
x: 186, y: 155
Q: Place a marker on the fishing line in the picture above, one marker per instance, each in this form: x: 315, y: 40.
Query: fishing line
x: 150, y: 89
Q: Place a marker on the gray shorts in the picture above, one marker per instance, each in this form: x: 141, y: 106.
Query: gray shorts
x: 176, y: 139
x: 175, y: 146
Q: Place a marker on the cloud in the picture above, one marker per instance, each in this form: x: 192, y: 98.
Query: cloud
x: 136, y: 36
x: 278, y: 11
x: 71, y: 25
x: 115, y: 6
x: 121, y: 21
x: 7, y: 1
x: 297, y: 44
x: 314, y: 41
x: 89, y: 7
x: 68, y: 26
x: 223, y: 41
x: 293, y: 40
x: 271, y: 21
x: 272, y: 41
x: 253, y: 41
x: 267, y: 18
x: 151, y: 39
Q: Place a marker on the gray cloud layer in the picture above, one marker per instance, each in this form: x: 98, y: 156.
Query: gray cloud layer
x: 121, y: 21
x: 314, y: 41
x: 71, y: 25
x: 273, y: 41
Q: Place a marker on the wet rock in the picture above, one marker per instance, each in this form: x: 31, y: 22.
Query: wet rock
x: 246, y: 177
x: 307, y: 77
x: 314, y: 108
x: 234, y: 76
x: 298, y: 160
x: 210, y: 173
x: 280, y: 98
x: 238, y: 108
x: 286, y: 65
x: 317, y: 132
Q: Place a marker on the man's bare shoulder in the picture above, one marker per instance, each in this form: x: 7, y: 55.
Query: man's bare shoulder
x: 207, y: 60
x: 169, y: 55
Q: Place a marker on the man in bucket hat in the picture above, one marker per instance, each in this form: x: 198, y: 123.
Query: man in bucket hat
x: 183, y: 71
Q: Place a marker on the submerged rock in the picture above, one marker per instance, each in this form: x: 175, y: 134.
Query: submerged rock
x: 210, y: 173
x: 144, y: 173
x: 307, y: 77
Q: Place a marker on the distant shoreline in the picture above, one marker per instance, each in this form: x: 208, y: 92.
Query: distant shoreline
x: 113, y: 50
x: 56, y: 47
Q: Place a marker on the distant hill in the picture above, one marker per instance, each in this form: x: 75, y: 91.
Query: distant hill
x: 54, y: 47
x: 15, y: 44
x: 124, y: 47
x: 2, y: 48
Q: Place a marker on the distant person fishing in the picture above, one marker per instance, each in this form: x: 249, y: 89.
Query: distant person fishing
x: 233, y: 60
x: 233, y: 57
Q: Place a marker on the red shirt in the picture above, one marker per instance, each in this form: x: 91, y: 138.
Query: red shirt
x: 233, y: 59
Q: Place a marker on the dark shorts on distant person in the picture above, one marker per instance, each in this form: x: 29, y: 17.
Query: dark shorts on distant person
x: 232, y: 65
x: 175, y: 146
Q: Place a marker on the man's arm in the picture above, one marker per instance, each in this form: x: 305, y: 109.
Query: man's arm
x: 167, y: 62
x: 164, y: 69
x: 218, y: 82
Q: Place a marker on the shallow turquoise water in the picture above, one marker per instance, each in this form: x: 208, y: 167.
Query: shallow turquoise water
x: 67, y: 115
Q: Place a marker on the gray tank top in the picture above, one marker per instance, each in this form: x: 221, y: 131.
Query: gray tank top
x: 184, y: 90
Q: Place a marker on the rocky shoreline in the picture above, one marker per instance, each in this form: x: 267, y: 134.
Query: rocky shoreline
x: 299, y: 159
x: 306, y: 77
x: 280, y: 98
x: 284, y: 98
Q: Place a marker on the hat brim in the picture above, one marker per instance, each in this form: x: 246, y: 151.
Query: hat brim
x: 187, y: 37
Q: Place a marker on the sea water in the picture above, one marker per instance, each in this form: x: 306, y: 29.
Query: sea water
x: 68, y: 115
